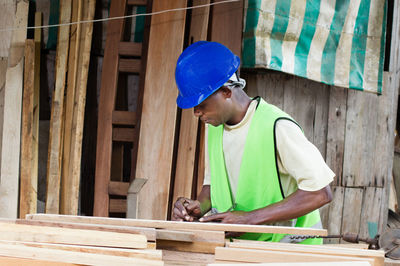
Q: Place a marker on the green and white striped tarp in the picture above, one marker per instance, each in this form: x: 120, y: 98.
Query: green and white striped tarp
x: 338, y: 42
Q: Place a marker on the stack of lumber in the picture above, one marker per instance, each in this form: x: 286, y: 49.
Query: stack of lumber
x: 65, y: 239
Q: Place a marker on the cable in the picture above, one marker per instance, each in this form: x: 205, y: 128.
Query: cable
x: 121, y: 17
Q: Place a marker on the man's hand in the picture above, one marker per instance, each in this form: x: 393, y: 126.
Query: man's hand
x: 233, y: 217
x: 186, y: 210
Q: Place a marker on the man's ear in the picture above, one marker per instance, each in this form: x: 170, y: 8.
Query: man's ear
x: 226, y: 92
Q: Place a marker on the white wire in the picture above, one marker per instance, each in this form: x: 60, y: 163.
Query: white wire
x: 121, y: 17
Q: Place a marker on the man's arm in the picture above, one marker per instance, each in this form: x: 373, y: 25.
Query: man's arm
x: 189, y: 210
x: 297, y: 204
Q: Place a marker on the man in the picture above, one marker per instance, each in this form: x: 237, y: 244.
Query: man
x: 260, y: 168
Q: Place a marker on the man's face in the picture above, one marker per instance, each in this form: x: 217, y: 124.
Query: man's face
x: 213, y: 109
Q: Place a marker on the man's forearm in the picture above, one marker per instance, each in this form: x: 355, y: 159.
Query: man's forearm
x: 205, y: 199
x: 298, y: 204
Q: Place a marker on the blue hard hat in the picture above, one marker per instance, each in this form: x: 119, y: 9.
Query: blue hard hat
x: 203, y: 68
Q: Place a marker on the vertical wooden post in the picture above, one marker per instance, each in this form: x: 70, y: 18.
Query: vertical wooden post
x: 28, y: 186
x: 11, y: 138
x: 57, y: 108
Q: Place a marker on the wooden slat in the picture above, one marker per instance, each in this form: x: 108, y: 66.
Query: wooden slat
x: 336, y: 131
x: 117, y: 162
x: 321, y: 115
x: 157, y: 135
x: 333, y: 219
x: 11, y: 98
x: 9, y: 261
x: 57, y: 108
x: 130, y: 48
x: 257, y: 256
x: 370, y: 208
x: 137, y: 2
x: 79, y: 258
x: 118, y: 188
x: 377, y: 255
x: 150, y: 233
x: 106, y: 107
x: 129, y: 65
x: 118, y: 205
x: 182, y: 225
x: 182, y: 236
x: 125, y: 118
x: 70, y: 191
x: 46, y: 234
x: 123, y: 252
x: 351, y: 208
x: 185, y: 164
x: 28, y: 186
x: 123, y: 134
x: 6, y: 21
x: 186, y: 258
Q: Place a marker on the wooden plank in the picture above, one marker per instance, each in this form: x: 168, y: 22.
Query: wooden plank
x: 124, y: 118
x: 150, y: 233
x: 6, y: 21
x: 186, y: 158
x: 370, y: 210
x: 157, y: 135
x: 118, y: 188
x: 73, y: 59
x: 336, y: 131
x: 79, y: 258
x: 71, y: 188
x: 333, y: 219
x: 186, y: 258
x: 351, y: 208
x: 46, y: 234
x: 123, y: 134
x: 123, y: 252
x: 377, y: 255
x: 361, y: 125
x: 117, y: 163
x: 106, y: 106
x: 321, y: 115
x: 30, y: 262
x: 326, y: 263
x: 181, y: 225
x: 11, y: 131
x: 28, y: 178
x: 57, y: 108
x: 257, y: 256
x: 163, y: 234
x: 129, y: 65
x: 118, y: 205
x: 137, y: 2
x: 130, y: 48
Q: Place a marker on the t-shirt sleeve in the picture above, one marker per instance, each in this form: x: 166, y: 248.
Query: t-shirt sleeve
x: 300, y: 158
x: 207, y: 178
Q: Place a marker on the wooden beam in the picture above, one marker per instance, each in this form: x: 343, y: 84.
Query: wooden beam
x: 118, y: 188
x: 11, y: 115
x: 118, y: 205
x: 6, y: 21
x: 71, y: 188
x: 130, y: 48
x: 181, y: 225
x: 9, y: 261
x: 163, y: 234
x: 157, y: 129
x: 80, y: 258
x: 124, y: 118
x: 57, y: 108
x: 129, y: 65
x: 185, y: 164
x: 46, y: 234
x: 106, y: 107
x: 28, y: 186
x: 123, y: 134
x: 257, y: 256
x: 137, y: 2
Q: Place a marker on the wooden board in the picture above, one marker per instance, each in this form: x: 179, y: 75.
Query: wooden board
x: 6, y: 21
x: 107, y: 100
x: 9, y: 261
x: 370, y: 210
x: 336, y: 131
x: 351, y: 208
x: 326, y: 263
x: 70, y: 191
x: 46, y: 234
x: 11, y: 131
x: 186, y: 258
x: 377, y: 255
x: 186, y: 158
x: 124, y: 252
x: 80, y: 258
x: 55, y: 147
x: 332, y: 218
x: 257, y: 256
x: 28, y: 178
x: 181, y: 225
x: 157, y: 129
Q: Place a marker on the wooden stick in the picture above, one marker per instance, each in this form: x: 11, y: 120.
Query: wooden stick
x: 182, y: 225
x: 46, y: 234
x: 57, y: 109
x: 11, y: 115
x: 28, y: 186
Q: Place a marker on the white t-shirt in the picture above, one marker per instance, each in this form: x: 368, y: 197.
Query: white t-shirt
x: 300, y: 163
